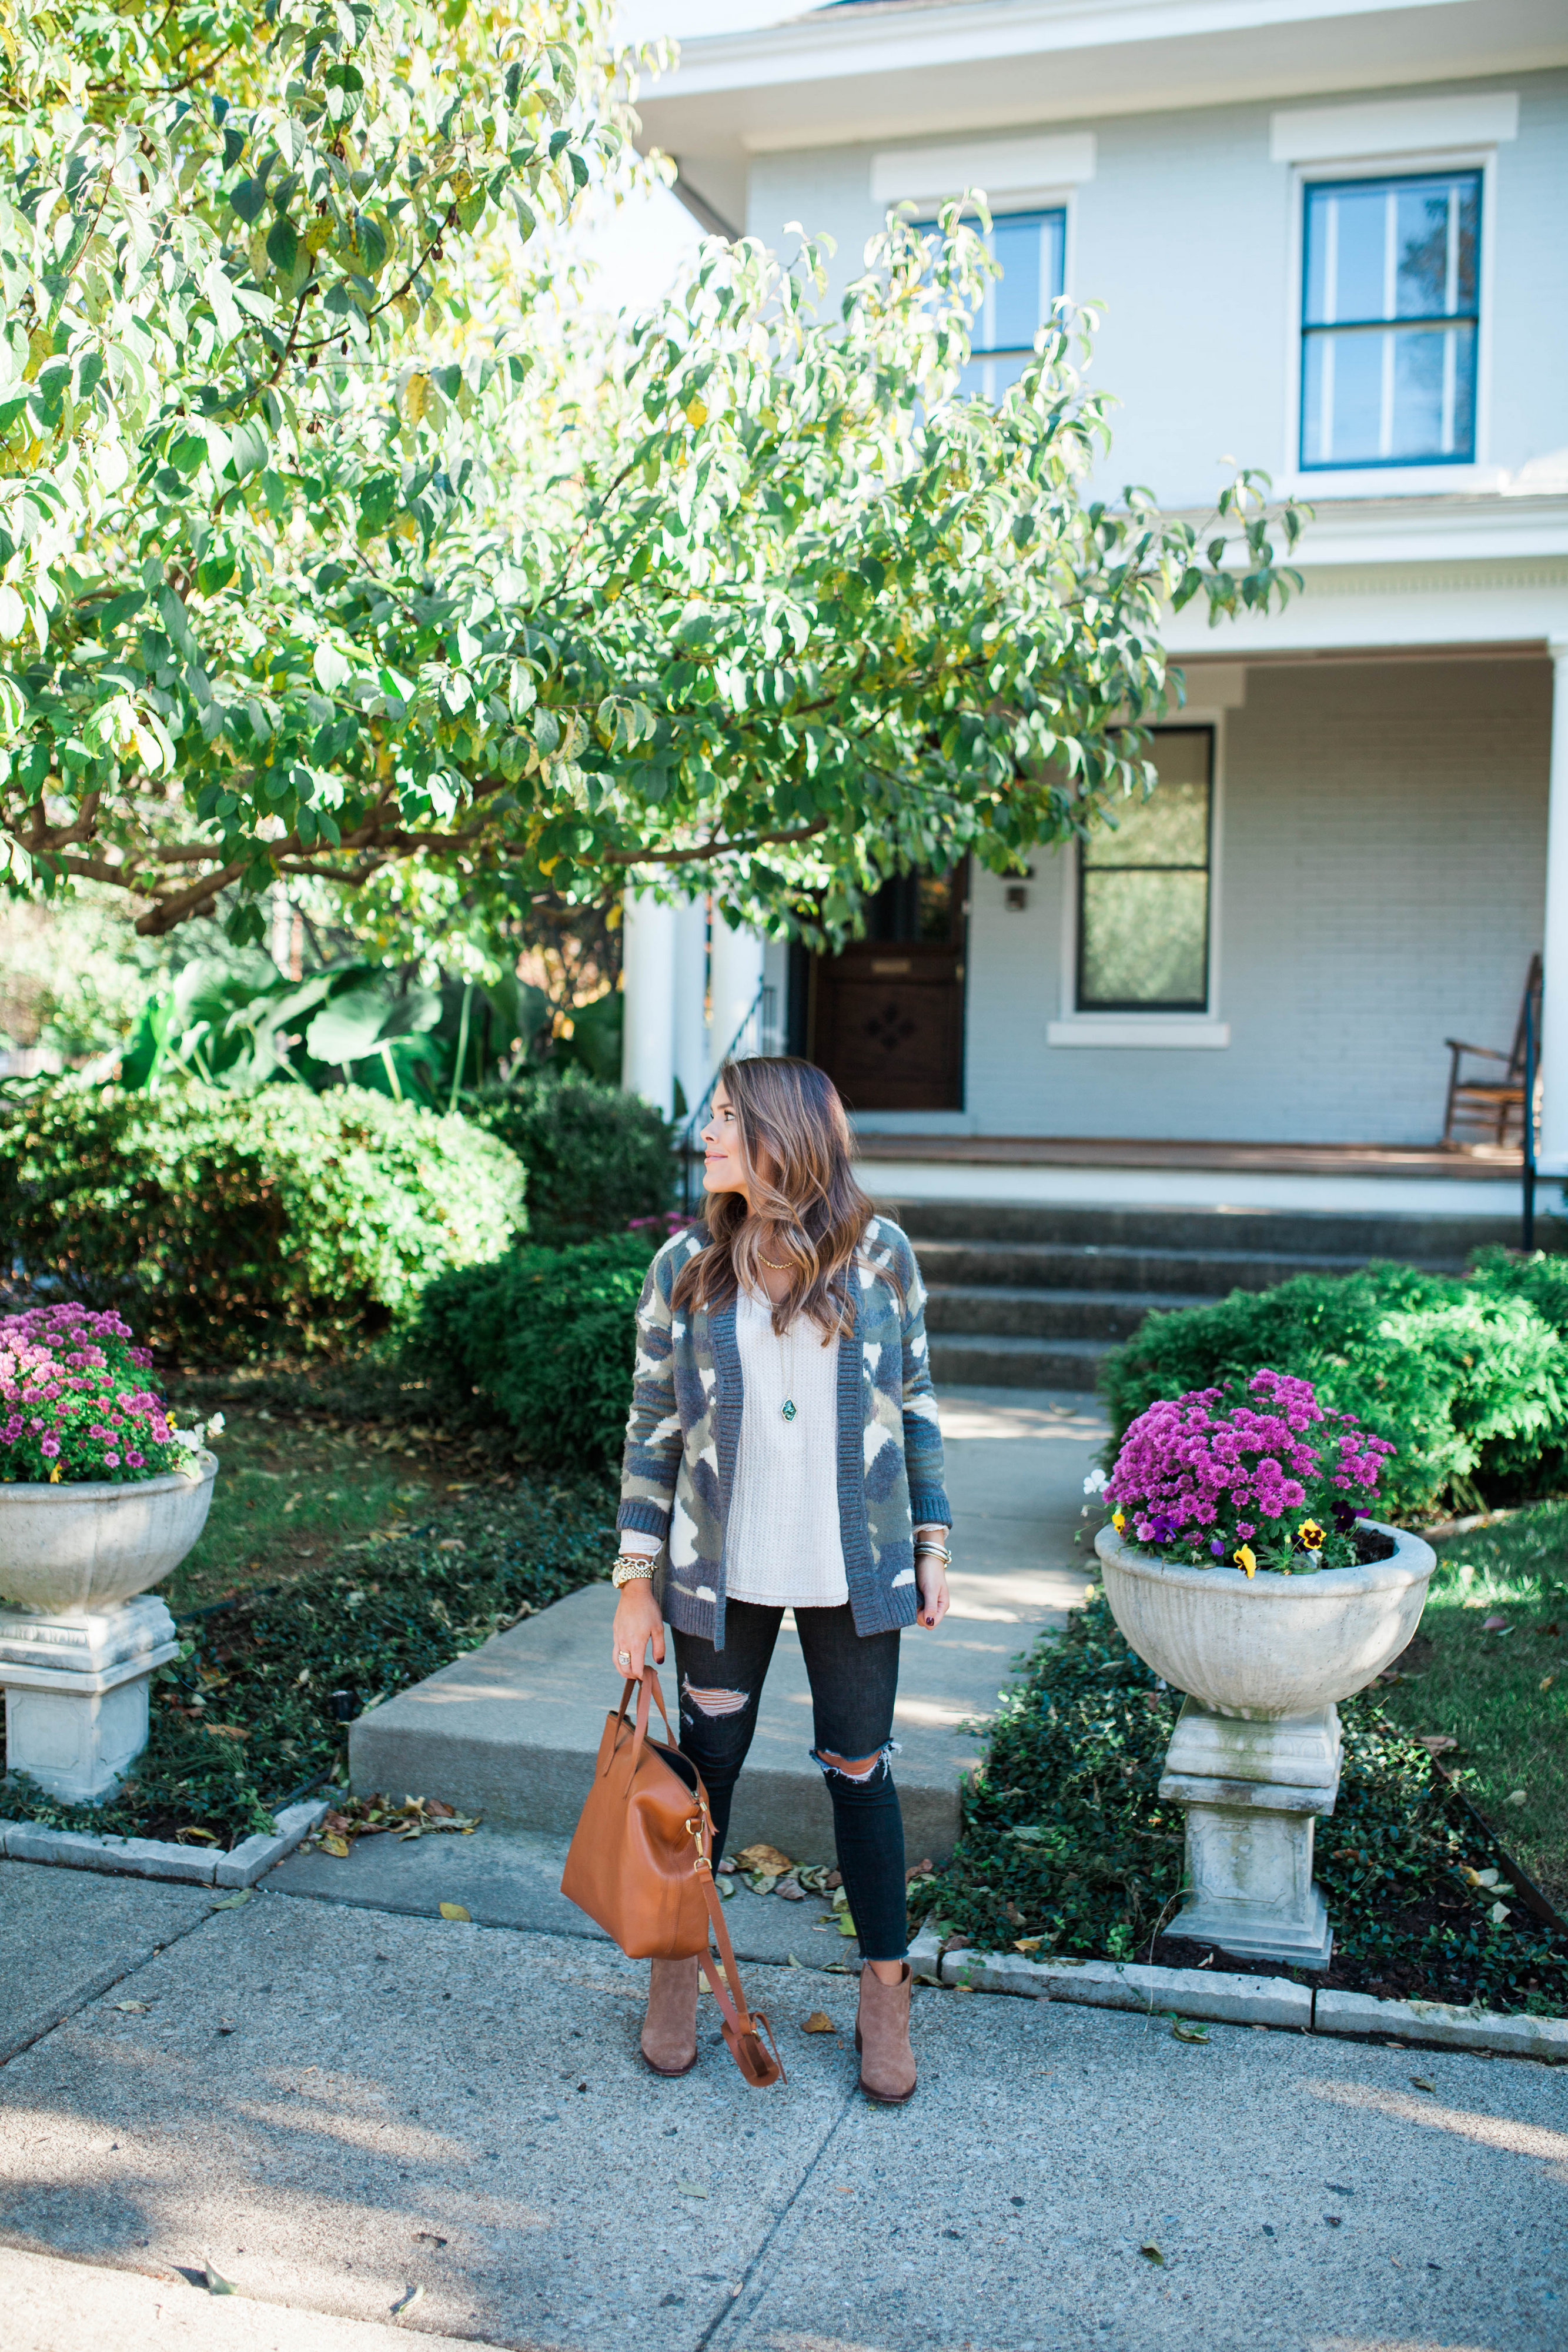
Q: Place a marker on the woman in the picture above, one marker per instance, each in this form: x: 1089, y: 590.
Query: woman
x: 783, y: 1453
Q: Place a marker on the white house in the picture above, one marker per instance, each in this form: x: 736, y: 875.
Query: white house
x: 1331, y: 240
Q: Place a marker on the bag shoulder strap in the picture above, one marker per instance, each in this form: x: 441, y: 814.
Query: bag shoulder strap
x: 744, y: 2028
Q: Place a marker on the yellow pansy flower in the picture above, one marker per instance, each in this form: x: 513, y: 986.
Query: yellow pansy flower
x: 1311, y: 1535
x: 1244, y: 1558
x: 1118, y: 1520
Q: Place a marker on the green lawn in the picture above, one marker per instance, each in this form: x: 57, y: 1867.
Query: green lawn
x: 290, y: 1493
x: 1501, y: 1694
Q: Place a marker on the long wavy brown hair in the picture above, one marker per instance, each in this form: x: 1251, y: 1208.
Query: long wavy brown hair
x: 795, y: 1149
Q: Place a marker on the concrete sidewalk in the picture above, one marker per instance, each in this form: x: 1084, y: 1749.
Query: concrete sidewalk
x: 512, y: 1729
x: 335, y: 2104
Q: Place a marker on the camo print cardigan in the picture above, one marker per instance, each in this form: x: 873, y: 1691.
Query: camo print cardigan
x: 683, y: 1431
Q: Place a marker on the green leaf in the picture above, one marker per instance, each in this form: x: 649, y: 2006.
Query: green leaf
x: 283, y: 247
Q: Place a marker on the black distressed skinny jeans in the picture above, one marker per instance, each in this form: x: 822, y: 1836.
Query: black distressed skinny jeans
x: 854, y: 1680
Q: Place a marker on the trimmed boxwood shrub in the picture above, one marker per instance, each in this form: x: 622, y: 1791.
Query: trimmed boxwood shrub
x: 596, y: 1157
x: 546, y: 1340
x: 225, y: 1224
x: 1468, y: 1375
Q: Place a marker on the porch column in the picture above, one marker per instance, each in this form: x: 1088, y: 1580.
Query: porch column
x: 737, y: 975
x: 648, y: 987
x: 1554, y: 1042
x: 691, y: 1001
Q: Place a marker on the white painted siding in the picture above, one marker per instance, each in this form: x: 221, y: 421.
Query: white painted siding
x: 1187, y: 233
x: 1381, y: 855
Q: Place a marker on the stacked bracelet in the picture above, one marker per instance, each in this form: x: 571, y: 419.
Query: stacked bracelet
x: 630, y: 1567
x: 926, y: 1549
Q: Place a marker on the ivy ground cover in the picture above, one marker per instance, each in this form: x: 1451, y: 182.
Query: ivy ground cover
x: 1066, y: 1847
x: 338, y: 1558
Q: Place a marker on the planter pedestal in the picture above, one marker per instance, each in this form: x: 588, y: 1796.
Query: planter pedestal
x: 76, y: 1692
x: 1253, y: 1793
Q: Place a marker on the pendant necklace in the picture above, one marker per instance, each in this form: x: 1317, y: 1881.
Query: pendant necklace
x: 788, y: 1408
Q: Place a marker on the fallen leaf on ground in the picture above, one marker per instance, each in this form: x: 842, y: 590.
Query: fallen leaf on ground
x: 846, y: 1925
x: 453, y: 1911
x: 1152, y: 2253
x: 1497, y: 1913
x: 1435, y: 1743
x: 765, y: 1858
x: 225, y: 1731
x: 1183, y: 2031
x: 691, y: 2189
x: 1029, y: 1943
x: 335, y: 1845
x: 919, y: 1870
x: 1423, y: 2083
x: 1494, y: 1624
x: 207, y: 1837
x: 233, y: 1901
x: 217, y: 2283
x: 137, y: 2008
x: 818, y: 2023
x: 1547, y: 1681
x: 1517, y: 1797
x: 843, y: 2189
x: 789, y: 1890
x: 429, y: 2238
x: 406, y: 2301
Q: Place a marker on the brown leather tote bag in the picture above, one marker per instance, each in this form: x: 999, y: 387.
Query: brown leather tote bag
x: 641, y: 1864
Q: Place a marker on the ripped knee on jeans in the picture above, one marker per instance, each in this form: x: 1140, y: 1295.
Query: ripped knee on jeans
x: 860, y: 1769
x: 712, y: 1703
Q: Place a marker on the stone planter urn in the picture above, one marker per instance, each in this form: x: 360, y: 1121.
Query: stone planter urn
x: 1255, y: 1756
x: 80, y: 1632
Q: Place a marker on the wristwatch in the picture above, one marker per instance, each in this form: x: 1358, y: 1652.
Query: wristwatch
x: 630, y: 1567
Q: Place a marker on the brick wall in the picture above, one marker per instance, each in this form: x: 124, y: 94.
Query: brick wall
x: 1382, y: 840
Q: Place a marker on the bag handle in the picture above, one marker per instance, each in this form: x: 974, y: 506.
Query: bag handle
x: 639, y: 1683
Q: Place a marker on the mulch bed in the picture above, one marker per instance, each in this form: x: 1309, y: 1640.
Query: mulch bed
x: 257, y: 1710
x: 1067, y: 1848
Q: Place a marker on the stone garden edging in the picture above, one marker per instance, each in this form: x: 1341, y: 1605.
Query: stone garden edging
x: 156, y: 1858
x: 1206, y: 1996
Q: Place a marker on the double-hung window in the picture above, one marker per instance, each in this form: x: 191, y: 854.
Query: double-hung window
x: 1032, y: 251
x: 1144, y: 889
x: 1390, y: 287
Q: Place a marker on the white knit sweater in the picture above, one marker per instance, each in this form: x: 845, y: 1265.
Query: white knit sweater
x: 784, y: 1550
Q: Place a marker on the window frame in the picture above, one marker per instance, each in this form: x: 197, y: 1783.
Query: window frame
x: 1136, y: 1007
x: 1311, y: 331
x: 1403, y: 476
x: 1150, y: 1026
x: 1017, y: 208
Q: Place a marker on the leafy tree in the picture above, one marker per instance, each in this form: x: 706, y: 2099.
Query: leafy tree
x: 315, y: 561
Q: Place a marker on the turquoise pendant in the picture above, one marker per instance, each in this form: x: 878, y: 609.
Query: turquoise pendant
x: 788, y: 1408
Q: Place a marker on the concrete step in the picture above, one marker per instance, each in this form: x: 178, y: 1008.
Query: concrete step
x: 1438, y: 1241
x: 996, y: 1361
x: 1091, y: 1265
x: 511, y: 1730
x: 972, y: 1309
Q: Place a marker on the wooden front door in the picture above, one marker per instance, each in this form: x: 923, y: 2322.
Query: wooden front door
x: 887, y: 1014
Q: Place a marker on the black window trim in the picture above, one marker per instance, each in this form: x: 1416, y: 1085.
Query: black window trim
x: 1188, y: 1006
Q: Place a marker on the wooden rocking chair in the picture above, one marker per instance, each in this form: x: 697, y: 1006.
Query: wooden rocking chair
x: 1491, y: 1110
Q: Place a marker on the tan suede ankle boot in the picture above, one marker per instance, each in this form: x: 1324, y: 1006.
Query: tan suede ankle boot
x: 670, y: 2028
x: 882, y: 2037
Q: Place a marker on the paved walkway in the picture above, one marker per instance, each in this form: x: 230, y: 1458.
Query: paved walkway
x: 512, y: 1729
x: 335, y: 2104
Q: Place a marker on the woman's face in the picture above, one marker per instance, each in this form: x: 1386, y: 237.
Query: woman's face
x: 723, y: 1169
